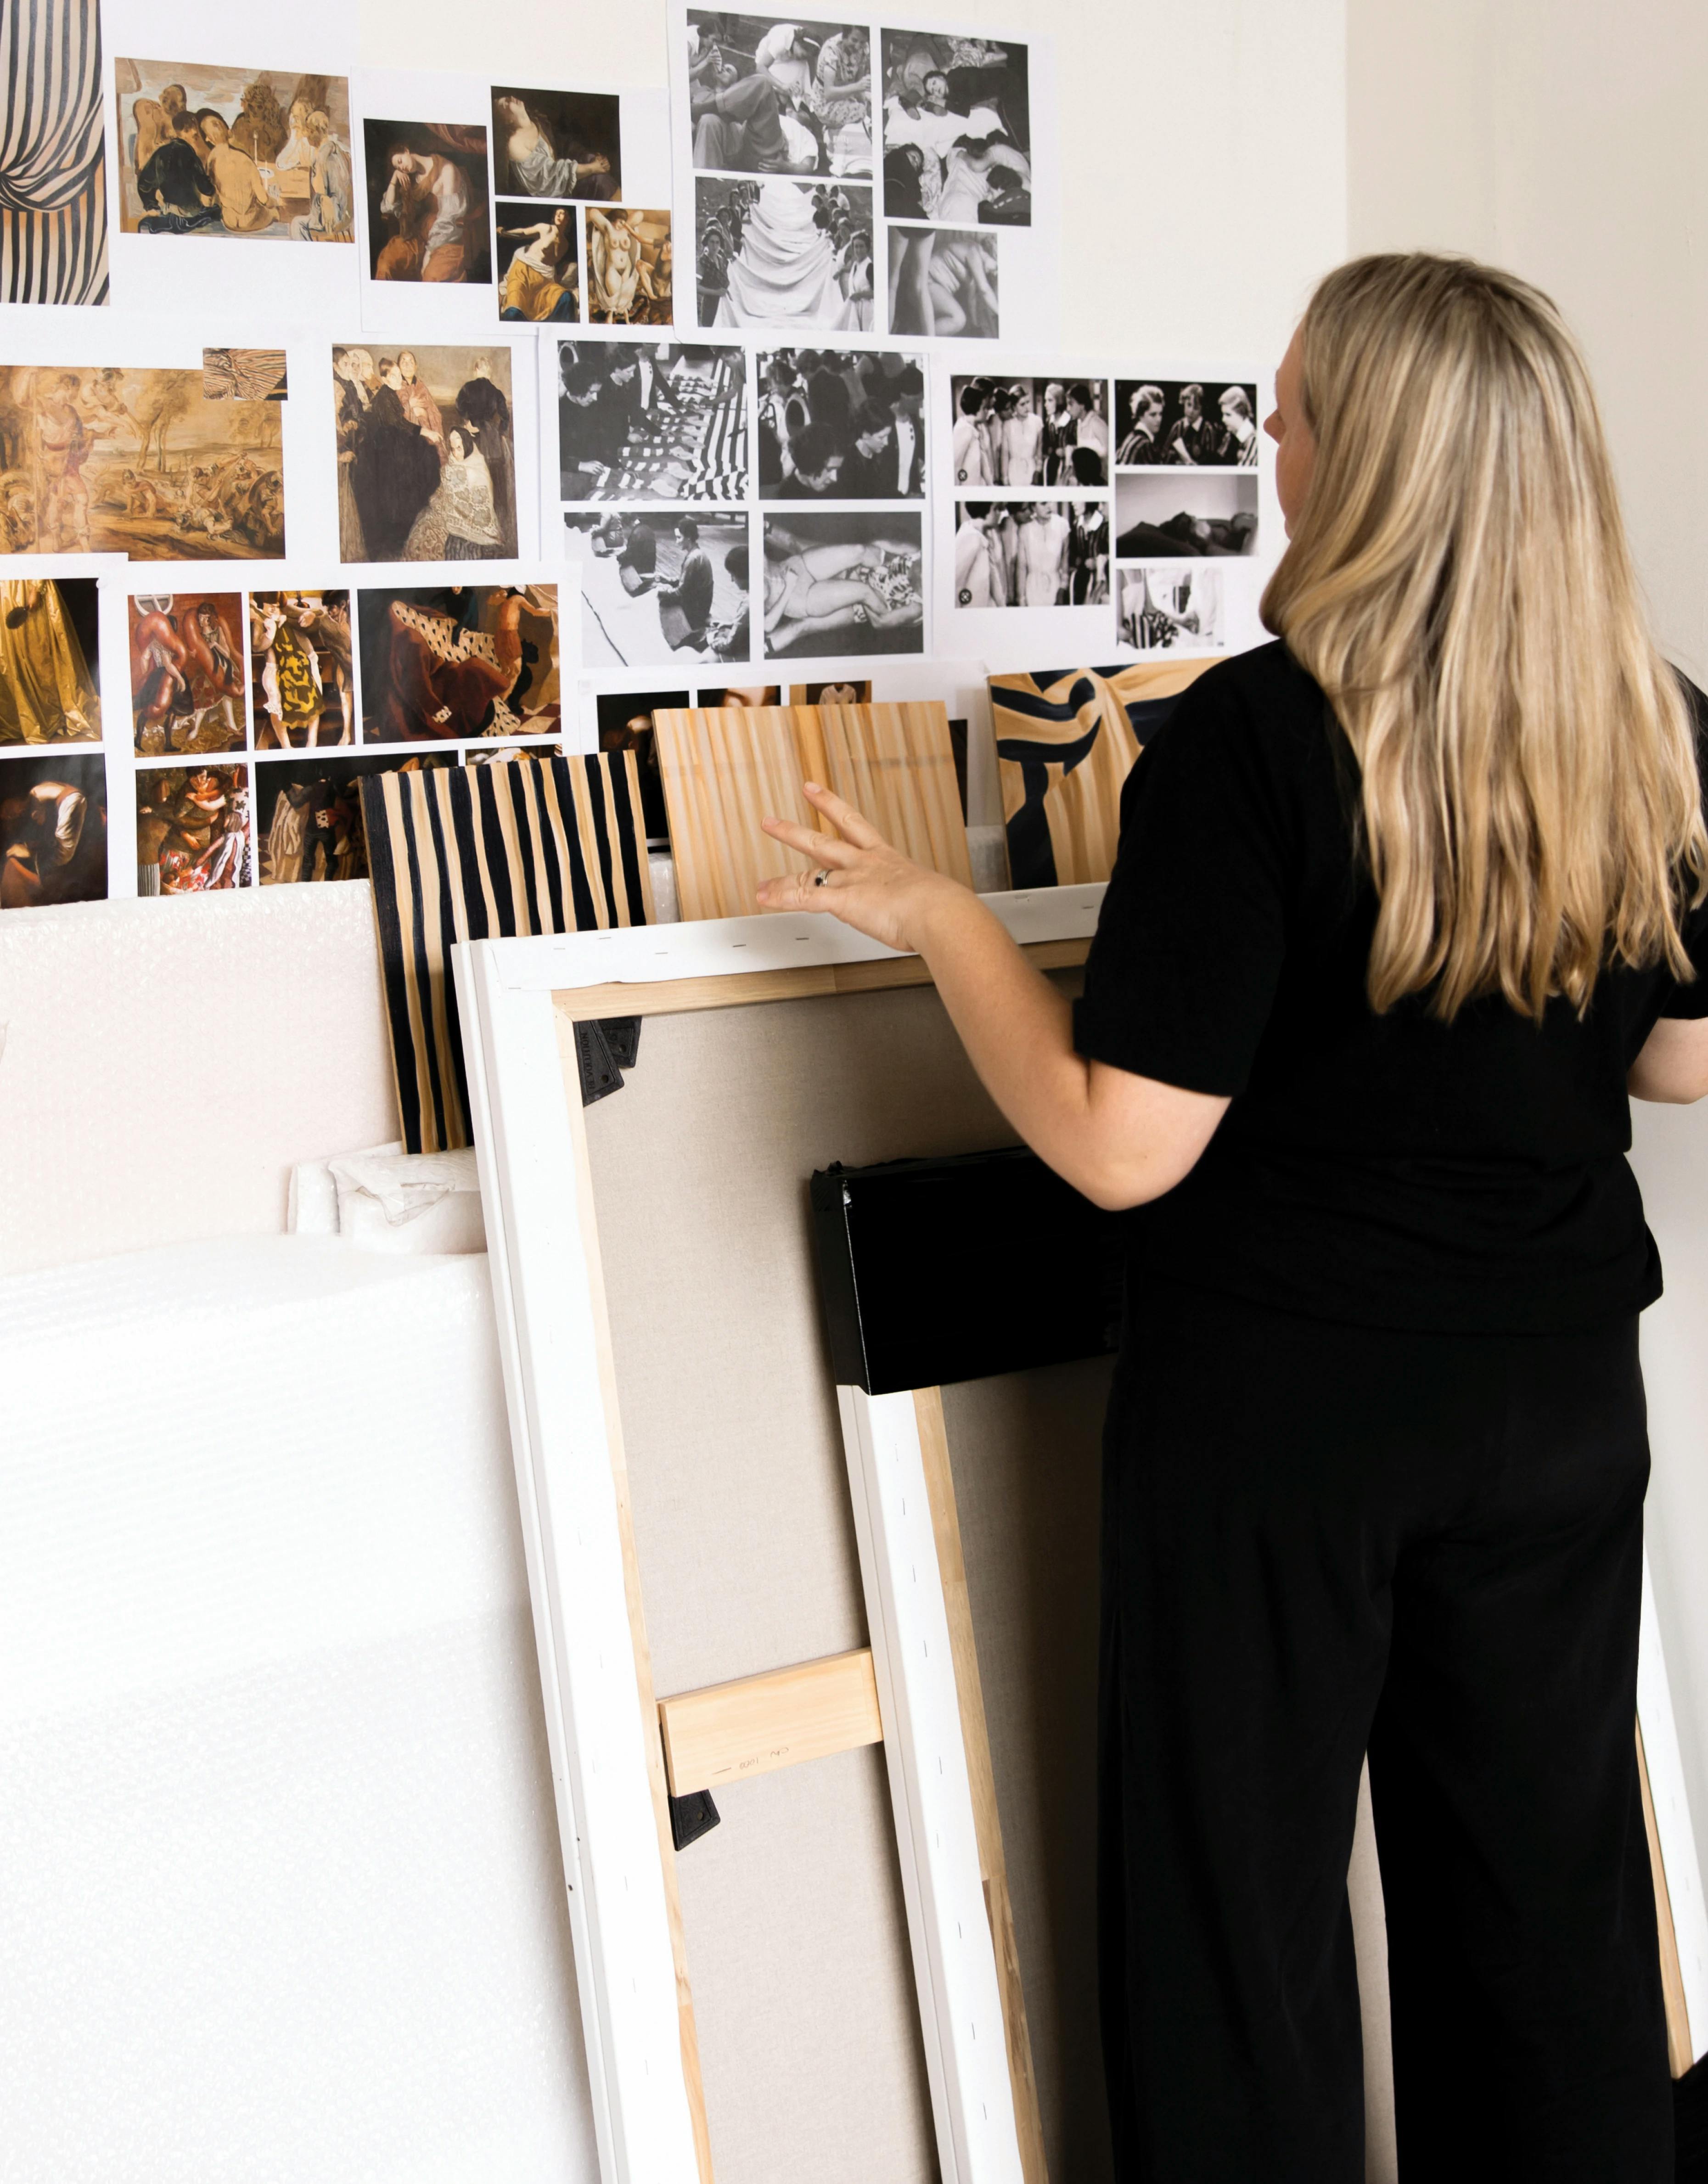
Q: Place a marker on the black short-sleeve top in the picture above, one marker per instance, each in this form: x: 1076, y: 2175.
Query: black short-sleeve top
x: 1390, y: 1170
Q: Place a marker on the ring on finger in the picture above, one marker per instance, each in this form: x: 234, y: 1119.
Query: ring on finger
x: 822, y: 876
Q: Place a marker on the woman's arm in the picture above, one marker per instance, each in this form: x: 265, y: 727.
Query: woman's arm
x: 1119, y: 1139
x: 1672, y: 1064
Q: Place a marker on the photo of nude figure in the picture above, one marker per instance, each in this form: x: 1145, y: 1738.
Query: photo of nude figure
x: 558, y: 145
x: 840, y: 583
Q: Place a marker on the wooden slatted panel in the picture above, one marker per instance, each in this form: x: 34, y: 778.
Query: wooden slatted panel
x: 729, y: 1732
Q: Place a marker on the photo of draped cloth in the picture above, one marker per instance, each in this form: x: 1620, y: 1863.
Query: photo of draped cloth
x: 1065, y: 744
x: 46, y: 693
x: 785, y: 272
x: 52, y: 176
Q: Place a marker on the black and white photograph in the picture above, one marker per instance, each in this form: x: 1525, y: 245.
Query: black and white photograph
x: 943, y: 281
x: 1157, y: 518
x: 771, y: 97
x: 842, y: 583
x: 52, y: 828
x: 1204, y: 424
x: 841, y: 425
x: 658, y: 590
x: 559, y: 145
x: 791, y: 255
x: 1029, y: 431
x: 1172, y: 609
x: 651, y: 421
x: 1031, y: 553
x: 957, y: 131
x: 539, y: 263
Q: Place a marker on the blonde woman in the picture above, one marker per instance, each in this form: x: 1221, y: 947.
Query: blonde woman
x: 1407, y: 904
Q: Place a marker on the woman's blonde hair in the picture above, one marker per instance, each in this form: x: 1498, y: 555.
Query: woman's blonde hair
x: 1460, y: 583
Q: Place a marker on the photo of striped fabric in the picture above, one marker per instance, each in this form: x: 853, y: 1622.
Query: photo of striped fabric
x: 1066, y: 740
x: 488, y: 852
x: 52, y: 173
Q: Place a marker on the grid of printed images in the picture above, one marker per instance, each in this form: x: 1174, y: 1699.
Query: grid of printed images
x: 1186, y: 503
x: 255, y: 716
x: 680, y: 481
x: 1031, y: 461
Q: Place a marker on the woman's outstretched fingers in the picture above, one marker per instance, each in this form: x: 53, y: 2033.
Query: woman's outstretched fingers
x: 823, y: 849
x: 853, y: 825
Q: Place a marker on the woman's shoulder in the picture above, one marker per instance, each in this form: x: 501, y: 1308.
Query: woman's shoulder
x: 1260, y: 704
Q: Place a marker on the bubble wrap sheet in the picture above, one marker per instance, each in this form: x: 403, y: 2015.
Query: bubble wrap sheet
x: 280, y: 1894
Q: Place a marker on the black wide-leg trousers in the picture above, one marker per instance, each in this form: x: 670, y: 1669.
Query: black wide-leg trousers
x: 1321, y: 1540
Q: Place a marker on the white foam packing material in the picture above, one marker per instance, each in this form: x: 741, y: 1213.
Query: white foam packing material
x: 280, y: 1894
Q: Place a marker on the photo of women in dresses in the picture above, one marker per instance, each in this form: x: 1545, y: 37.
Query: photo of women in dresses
x: 187, y: 673
x: 784, y: 254
x: 426, y: 202
x: 49, y: 654
x: 1031, y: 553
x: 943, y: 281
x: 1172, y: 609
x: 426, y: 454
x: 459, y: 661
x: 651, y: 421
x: 193, y: 830
x: 1203, y: 424
x: 539, y: 263
x: 52, y: 829
x: 1029, y: 431
x: 557, y: 144
x: 660, y: 590
x: 630, y: 268
x: 302, y: 679
x: 841, y: 425
x: 957, y: 130
x: 1203, y: 517
x: 837, y: 582
x: 766, y: 97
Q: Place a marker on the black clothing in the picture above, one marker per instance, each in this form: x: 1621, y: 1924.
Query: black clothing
x: 1388, y: 1171
x: 177, y: 174
x: 693, y: 591
x: 1319, y: 1539
x: 393, y: 476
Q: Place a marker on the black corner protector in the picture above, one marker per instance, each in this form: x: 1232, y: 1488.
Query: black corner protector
x: 692, y: 1816
x: 622, y: 1037
x: 600, y: 1074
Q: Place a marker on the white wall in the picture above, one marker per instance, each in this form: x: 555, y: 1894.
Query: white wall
x: 1549, y: 137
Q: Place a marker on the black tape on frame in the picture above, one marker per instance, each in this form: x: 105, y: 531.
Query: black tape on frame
x: 938, y: 1270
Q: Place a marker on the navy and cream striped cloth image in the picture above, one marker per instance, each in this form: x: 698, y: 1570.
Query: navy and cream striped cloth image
x: 52, y: 172
x: 487, y: 852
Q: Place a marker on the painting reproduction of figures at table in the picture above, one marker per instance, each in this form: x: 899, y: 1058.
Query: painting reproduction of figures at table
x: 262, y: 154
x: 115, y: 460
x: 425, y: 453
x: 427, y: 198
x: 53, y: 164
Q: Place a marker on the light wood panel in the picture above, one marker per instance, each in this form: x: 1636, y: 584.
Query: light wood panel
x: 1680, y: 2048
x: 727, y: 1732
x: 724, y: 769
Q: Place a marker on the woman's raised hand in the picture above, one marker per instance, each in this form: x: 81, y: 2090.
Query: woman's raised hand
x: 854, y: 875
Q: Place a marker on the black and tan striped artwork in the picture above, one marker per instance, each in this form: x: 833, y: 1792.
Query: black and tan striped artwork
x: 488, y: 852
x: 52, y: 173
x: 1066, y: 741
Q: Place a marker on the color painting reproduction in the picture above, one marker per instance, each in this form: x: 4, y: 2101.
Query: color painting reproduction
x: 260, y: 152
x: 425, y: 453
x: 136, y: 462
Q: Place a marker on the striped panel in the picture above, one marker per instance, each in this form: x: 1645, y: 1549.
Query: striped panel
x: 725, y: 768
x: 1065, y: 744
x: 53, y: 175
x: 488, y: 852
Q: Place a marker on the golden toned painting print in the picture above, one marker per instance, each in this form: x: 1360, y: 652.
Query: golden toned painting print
x: 187, y: 671
x: 49, y: 636
x: 259, y: 153
x: 112, y: 460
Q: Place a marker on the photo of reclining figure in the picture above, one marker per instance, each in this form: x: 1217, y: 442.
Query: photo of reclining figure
x: 1196, y: 517
x: 773, y: 97
x: 139, y: 462
x: 839, y: 582
x: 559, y: 145
x: 956, y: 130
x: 264, y: 154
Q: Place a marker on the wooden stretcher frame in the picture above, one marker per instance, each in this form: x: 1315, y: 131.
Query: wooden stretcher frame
x: 610, y: 1740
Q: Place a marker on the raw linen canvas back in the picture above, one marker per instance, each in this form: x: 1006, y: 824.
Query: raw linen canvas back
x: 797, y: 1937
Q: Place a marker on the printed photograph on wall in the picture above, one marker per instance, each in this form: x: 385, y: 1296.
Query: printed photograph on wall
x: 1159, y: 516
x: 557, y: 144
x: 651, y: 421
x: 792, y: 255
x: 139, y: 462
x: 243, y: 374
x: 657, y: 589
x: 301, y: 681
x: 625, y: 724
x: 192, y: 829
x: 187, y: 671
x: 1211, y: 424
x: 957, y: 130
x: 1029, y: 431
x: 844, y: 692
x: 630, y: 268
x: 539, y: 263
x: 943, y: 281
x: 54, y: 210
x: 309, y: 818
x: 1172, y: 609
x: 458, y: 661
x: 258, y: 152
x: 772, y: 97
x: 52, y: 828
x: 838, y: 582
x: 426, y: 184
x: 49, y: 661
x: 425, y: 453
x: 1031, y: 553
x: 842, y: 424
